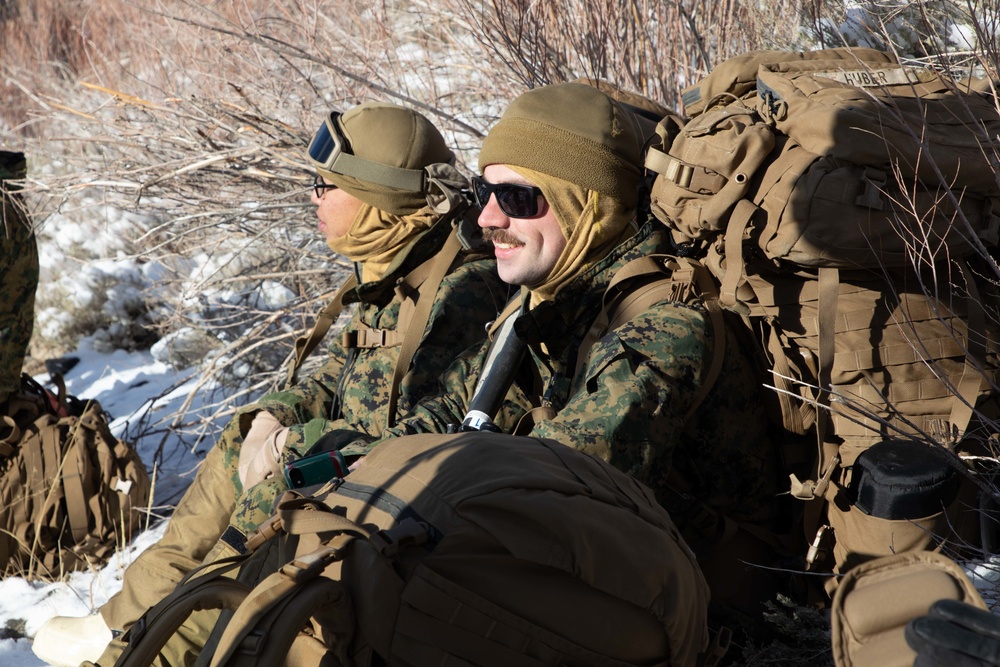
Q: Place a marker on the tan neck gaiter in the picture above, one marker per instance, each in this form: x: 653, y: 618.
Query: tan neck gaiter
x: 592, y: 223
x: 375, y: 237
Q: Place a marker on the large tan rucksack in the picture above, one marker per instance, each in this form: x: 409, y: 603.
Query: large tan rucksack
x: 473, y: 548
x: 70, y: 492
x: 848, y: 206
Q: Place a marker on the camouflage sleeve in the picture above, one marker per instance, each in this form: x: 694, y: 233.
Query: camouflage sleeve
x: 18, y: 283
x: 467, y: 300
x: 433, y: 414
x: 629, y: 403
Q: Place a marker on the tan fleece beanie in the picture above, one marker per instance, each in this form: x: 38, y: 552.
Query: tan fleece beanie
x: 584, y: 151
x: 574, y: 132
x: 394, y: 136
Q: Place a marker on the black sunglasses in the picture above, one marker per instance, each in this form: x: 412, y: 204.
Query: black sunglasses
x: 320, y: 186
x: 516, y: 201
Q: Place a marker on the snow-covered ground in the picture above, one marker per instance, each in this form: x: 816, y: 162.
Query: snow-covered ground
x: 135, y: 389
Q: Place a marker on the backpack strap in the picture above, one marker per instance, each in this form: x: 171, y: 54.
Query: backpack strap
x: 305, y: 345
x: 414, y: 322
x: 973, y: 378
x: 76, y: 476
x: 414, y: 313
x: 278, y: 607
x: 206, y: 587
x: 8, y: 444
x: 646, y: 281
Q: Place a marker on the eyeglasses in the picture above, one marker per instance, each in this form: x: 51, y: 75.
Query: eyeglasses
x: 516, y: 201
x: 320, y: 186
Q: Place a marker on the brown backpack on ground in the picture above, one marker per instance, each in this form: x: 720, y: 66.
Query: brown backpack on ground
x: 847, y: 207
x: 473, y: 548
x: 70, y: 492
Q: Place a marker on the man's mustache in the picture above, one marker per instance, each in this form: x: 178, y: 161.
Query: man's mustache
x: 495, y: 235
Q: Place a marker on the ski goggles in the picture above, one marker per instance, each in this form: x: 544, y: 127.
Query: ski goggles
x: 516, y: 201
x: 330, y: 151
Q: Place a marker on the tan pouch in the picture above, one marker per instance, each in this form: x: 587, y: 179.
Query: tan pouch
x: 861, y: 537
x: 876, y: 600
x: 892, y: 498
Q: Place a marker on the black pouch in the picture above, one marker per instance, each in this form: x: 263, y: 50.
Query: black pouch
x: 902, y: 480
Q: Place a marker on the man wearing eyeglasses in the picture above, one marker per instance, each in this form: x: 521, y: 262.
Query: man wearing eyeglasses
x: 389, y: 199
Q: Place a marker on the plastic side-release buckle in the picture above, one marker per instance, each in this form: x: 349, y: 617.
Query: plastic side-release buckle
x: 818, y: 549
x: 264, y: 532
x: 811, y: 490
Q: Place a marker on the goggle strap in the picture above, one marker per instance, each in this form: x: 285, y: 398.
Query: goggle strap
x: 411, y: 180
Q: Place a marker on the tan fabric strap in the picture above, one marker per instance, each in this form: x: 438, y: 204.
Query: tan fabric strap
x: 416, y: 322
x: 666, y: 279
x: 75, y: 469
x: 207, y: 587
x: 615, y: 298
x: 513, y: 307
x: 305, y: 345
x: 271, y: 593
x: 829, y: 281
x: 706, y: 287
x: 742, y: 215
x: 414, y: 313
x: 973, y: 377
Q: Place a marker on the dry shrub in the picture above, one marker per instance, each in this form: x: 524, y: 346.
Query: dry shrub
x: 194, y: 116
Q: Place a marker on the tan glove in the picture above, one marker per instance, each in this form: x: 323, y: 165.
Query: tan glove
x: 260, y: 454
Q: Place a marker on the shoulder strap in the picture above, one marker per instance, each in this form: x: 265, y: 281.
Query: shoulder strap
x: 207, y: 587
x: 414, y: 313
x: 414, y: 321
x: 304, y: 345
x: 269, y: 607
x: 646, y: 281
x: 973, y: 378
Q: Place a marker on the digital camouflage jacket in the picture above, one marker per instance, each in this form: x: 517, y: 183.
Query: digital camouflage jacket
x: 628, y: 403
x: 350, y: 390
x: 18, y: 279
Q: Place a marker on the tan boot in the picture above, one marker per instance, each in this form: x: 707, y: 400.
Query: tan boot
x: 66, y: 641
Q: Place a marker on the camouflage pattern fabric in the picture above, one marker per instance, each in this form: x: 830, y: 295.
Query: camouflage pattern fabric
x: 201, y: 528
x: 18, y: 282
x: 628, y: 403
x: 350, y: 390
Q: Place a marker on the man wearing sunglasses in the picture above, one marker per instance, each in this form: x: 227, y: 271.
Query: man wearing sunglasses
x: 561, y: 198
x: 389, y: 199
